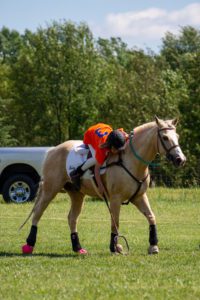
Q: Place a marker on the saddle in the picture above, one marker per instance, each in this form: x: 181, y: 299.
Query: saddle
x: 78, y: 156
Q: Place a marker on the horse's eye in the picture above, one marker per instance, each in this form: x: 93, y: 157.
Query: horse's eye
x: 165, y: 138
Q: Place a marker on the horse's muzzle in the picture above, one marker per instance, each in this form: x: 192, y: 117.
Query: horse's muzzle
x: 177, y: 160
x: 180, y: 162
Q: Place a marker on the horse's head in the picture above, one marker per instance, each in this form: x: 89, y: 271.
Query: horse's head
x: 168, y: 141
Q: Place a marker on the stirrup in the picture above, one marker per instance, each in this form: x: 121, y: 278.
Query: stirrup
x: 78, y: 172
x: 75, y: 178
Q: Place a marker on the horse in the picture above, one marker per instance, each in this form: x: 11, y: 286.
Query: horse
x: 126, y: 178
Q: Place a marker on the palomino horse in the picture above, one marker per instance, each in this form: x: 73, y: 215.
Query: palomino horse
x: 127, y: 178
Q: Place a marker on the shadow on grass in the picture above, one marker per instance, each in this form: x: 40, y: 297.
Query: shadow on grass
x: 50, y: 255
x: 106, y: 254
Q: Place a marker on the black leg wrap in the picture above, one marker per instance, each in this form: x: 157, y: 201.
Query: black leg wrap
x: 112, y: 242
x: 31, y: 240
x: 153, y: 239
x: 76, y: 246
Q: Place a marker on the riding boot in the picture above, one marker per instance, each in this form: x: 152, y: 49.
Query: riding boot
x: 76, y: 177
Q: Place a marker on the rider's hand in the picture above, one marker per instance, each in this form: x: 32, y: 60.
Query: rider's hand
x: 101, y: 190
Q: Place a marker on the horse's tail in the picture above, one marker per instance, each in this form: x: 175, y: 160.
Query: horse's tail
x: 36, y: 202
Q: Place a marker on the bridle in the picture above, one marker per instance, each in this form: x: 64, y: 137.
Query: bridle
x: 167, y: 150
x: 159, y: 138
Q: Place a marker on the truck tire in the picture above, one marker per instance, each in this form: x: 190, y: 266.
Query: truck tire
x: 19, y: 188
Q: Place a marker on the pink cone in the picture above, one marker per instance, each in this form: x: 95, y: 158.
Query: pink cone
x: 26, y: 249
x: 82, y: 251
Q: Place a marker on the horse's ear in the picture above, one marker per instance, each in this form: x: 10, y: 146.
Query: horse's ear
x: 158, y: 121
x: 175, y: 121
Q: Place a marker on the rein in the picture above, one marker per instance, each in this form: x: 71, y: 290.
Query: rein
x: 118, y: 235
x: 148, y: 163
x: 139, y: 182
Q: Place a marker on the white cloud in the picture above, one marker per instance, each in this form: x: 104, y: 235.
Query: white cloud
x: 188, y: 15
x: 150, y: 24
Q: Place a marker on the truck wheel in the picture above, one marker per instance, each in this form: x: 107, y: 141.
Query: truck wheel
x: 19, y: 189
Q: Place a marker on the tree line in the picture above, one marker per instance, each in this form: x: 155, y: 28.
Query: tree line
x: 59, y: 80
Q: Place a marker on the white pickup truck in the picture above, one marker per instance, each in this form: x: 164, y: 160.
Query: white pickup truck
x: 20, y: 172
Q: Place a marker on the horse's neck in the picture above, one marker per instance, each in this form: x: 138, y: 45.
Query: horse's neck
x: 145, y: 144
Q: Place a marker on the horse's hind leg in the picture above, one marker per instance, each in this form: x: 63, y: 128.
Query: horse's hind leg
x: 77, y: 200
x: 44, y: 197
x: 142, y: 203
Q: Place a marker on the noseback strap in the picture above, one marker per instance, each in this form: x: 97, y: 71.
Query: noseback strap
x: 162, y: 142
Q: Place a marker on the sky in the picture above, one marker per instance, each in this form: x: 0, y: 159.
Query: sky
x: 140, y: 24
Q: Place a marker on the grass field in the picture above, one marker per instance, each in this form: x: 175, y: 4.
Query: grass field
x: 55, y: 272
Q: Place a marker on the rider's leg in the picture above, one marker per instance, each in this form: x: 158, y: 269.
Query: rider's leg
x: 88, y: 164
x: 77, y: 173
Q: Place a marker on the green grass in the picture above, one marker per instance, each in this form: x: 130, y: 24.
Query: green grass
x: 55, y: 272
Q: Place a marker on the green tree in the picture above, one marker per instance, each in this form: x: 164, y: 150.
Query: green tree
x: 58, y: 81
x: 55, y: 78
x: 10, y: 45
x: 182, y: 53
x: 6, y: 132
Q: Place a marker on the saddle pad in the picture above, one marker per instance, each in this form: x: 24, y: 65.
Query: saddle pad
x: 77, y: 156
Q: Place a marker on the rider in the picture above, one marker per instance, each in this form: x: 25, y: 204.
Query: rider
x: 102, y: 140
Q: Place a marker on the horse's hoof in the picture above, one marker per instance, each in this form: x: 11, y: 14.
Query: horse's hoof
x: 82, y: 251
x: 153, y: 249
x: 119, y: 248
x: 26, y: 249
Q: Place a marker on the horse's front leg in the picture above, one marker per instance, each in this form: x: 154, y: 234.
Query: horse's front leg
x: 142, y: 203
x: 115, y: 211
